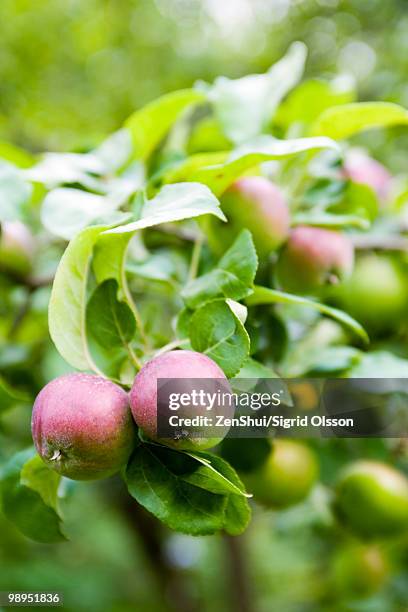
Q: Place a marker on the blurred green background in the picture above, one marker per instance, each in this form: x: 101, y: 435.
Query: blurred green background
x: 71, y: 71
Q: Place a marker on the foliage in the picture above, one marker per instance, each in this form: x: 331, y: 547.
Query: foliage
x: 122, y: 233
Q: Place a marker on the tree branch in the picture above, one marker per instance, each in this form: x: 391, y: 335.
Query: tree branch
x: 240, y: 589
x: 149, y: 532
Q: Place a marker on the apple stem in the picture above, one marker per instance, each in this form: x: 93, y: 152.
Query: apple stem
x: 195, y: 257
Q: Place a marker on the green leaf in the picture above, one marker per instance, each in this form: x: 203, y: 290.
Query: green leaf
x: 10, y: 397
x: 109, y: 262
x: 245, y: 454
x: 311, y: 98
x: 380, y: 364
x: 16, y: 156
x: 326, y: 219
x: 264, y: 295
x: 15, y: 192
x: 183, y: 322
x: 175, y: 203
x: 342, y: 197
x: 347, y: 120
x: 111, y: 327
x: 239, y: 310
x: 29, y: 497
x: 237, y: 513
x: 67, y: 308
x: 216, y: 331
x: 320, y: 360
x: 115, y: 150
x: 263, y: 149
x: 206, y: 135
x: 245, y: 106
x: 165, y: 265
x: 56, y: 169
x: 359, y: 199
x: 196, y: 493
x: 38, y: 477
x: 334, y: 359
x: 153, y: 477
x: 150, y: 124
x: 184, y: 169
x: 109, y: 257
x: 325, y: 192
x: 232, y: 278
x: 109, y: 321
x: 92, y: 170
x: 65, y: 212
x: 209, y: 474
x: 254, y: 369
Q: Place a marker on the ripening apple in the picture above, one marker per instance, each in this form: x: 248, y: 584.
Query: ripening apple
x: 178, y: 364
x: 361, y: 168
x: 286, y: 477
x: 312, y: 258
x: 254, y: 203
x: 372, y: 499
x: 16, y: 248
x: 82, y: 426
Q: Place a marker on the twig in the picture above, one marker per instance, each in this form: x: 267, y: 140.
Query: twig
x: 136, y: 361
x: 130, y: 302
x: 170, y: 346
x: 28, y: 281
x: 195, y: 257
x: 39, y: 282
x: 241, y: 599
x: 383, y: 243
x: 20, y: 315
x: 400, y: 450
x: 170, y: 580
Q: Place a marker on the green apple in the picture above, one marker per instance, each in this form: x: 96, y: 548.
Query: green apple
x: 359, y: 570
x: 372, y: 499
x: 377, y: 292
x: 286, y: 477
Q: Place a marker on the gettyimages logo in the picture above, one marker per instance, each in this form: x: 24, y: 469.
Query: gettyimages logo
x: 211, y: 408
